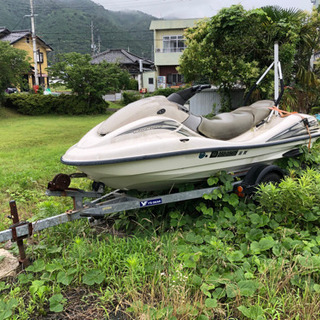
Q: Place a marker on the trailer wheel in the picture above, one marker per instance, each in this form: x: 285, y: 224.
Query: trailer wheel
x: 261, y: 173
x: 252, y: 175
x: 271, y: 177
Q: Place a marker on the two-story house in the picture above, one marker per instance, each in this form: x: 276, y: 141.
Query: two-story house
x: 23, y: 40
x: 169, y: 43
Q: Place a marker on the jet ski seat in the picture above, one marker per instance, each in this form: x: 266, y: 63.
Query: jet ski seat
x: 225, y: 126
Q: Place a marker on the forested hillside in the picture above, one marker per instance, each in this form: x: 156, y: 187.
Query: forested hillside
x: 66, y: 25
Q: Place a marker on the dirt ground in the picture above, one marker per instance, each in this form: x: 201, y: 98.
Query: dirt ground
x: 82, y: 304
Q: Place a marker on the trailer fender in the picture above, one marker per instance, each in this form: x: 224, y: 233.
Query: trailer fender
x: 259, y: 173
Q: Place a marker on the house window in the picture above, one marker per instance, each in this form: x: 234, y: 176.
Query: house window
x: 174, y: 79
x: 173, y: 43
x: 150, y: 80
x: 40, y: 57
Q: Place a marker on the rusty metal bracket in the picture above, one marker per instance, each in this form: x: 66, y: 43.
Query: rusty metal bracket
x: 17, y: 223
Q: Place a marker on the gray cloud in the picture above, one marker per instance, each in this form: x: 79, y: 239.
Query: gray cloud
x: 194, y: 8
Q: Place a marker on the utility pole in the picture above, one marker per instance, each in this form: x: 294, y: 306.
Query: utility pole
x: 34, y: 43
x: 99, y: 44
x: 92, y: 40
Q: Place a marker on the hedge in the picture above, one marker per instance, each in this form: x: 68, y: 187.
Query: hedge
x: 37, y: 104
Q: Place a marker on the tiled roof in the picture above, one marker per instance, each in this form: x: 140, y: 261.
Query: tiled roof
x: 15, y: 36
x: 3, y: 32
x: 120, y: 56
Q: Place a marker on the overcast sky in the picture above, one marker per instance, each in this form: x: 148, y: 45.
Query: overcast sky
x: 194, y: 8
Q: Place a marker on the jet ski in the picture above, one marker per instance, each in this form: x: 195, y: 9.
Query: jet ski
x: 156, y: 143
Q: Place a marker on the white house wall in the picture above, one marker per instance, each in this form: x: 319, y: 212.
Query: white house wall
x: 145, y: 80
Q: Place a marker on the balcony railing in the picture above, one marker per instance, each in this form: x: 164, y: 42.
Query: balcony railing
x: 166, y: 50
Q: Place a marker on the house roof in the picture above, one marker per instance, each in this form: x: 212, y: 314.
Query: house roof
x: 120, y: 56
x: 3, y: 32
x: 14, y: 36
x: 172, y: 24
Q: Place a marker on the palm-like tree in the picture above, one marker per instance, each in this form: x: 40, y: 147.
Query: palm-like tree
x: 305, y: 40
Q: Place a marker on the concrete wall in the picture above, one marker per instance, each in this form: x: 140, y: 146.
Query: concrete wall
x: 112, y: 97
x: 167, y: 58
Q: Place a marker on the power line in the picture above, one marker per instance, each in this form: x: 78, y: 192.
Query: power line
x: 111, y: 32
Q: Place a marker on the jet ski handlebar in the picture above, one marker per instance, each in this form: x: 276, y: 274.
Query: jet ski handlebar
x: 181, y: 97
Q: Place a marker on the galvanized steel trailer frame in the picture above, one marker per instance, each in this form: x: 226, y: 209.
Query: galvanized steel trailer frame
x: 102, y: 206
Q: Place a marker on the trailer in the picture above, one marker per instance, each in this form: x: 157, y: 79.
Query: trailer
x: 104, y: 205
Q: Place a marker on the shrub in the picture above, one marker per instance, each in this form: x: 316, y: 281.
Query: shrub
x: 295, y: 200
x: 163, y: 92
x: 128, y: 97
x: 35, y: 104
x: 133, y: 84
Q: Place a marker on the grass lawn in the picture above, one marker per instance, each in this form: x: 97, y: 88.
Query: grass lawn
x: 30, y: 151
x: 223, y: 258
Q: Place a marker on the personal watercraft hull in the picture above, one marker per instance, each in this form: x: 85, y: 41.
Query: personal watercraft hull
x: 160, y: 170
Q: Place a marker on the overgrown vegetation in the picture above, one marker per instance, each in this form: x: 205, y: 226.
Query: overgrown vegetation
x: 217, y: 258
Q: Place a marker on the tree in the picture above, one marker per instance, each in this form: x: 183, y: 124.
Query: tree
x: 236, y: 46
x: 223, y: 48
x: 13, y: 65
x: 305, y: 84
x: 88, y: 80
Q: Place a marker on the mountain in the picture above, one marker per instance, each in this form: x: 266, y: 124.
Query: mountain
x: 66, y: 25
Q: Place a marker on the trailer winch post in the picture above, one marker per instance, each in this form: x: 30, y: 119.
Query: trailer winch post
x: 16, y: 222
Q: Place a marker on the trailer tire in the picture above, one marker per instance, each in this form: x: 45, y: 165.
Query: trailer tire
x: 271, y: 177
x: 270, y: 174
x: 261, y: 173
x: 253, y: 174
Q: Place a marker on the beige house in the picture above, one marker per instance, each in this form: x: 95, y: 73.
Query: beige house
x: 23, y: 40
x: 169, y: 43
